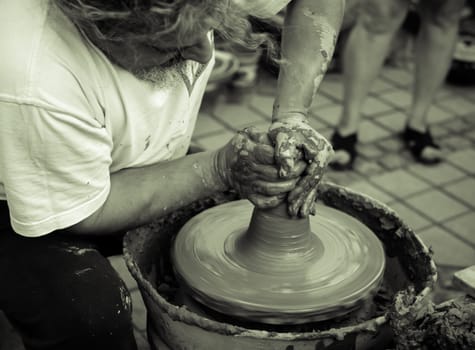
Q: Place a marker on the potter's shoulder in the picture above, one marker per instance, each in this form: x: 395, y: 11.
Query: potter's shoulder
x: 21, y: 27
x: 45, y: 55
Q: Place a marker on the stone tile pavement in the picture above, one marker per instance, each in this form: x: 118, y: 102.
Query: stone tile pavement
x: 437, y: 201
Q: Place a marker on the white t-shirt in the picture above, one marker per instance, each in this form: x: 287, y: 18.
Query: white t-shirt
x: 69, y: 118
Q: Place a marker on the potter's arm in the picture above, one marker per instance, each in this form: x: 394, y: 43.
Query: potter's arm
x: 139, y: 195
x: 308, y: 41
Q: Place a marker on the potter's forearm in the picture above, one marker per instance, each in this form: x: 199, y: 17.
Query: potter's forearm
x: 139, y: 195
x: 308, y: 42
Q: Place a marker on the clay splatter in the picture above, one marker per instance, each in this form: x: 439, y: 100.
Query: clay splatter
x: 82, y: 271
x: 125, y: 298
x: 327, y: 37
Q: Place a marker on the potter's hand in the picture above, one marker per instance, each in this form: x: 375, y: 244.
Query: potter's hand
x: 294, y: 140
x: 247, y: 164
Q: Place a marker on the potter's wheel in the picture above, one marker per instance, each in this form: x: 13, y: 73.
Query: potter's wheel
x: 277, y: 270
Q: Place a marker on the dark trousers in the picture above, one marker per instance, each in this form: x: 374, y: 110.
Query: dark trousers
x: 60, y: 291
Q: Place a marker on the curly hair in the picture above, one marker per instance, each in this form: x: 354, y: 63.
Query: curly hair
x: 158, y: 20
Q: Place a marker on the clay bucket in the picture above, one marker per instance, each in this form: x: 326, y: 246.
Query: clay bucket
x: 146, y: 252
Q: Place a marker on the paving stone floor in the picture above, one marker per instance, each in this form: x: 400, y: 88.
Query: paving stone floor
x: 437, y: 201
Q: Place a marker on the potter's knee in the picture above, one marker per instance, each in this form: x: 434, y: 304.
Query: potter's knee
x: 95, y: 315
x: 111, y: 314
x: 90, y: 322
x: 382, y: 17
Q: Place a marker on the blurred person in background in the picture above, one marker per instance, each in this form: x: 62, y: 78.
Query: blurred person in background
x: 98, y: 101
x: 365, y: 51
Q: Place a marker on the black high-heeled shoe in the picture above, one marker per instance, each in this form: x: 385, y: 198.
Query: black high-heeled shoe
x: 346, y: 144
x: 416, y: 142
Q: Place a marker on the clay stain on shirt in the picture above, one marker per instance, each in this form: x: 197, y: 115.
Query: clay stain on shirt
x: 147, y: 142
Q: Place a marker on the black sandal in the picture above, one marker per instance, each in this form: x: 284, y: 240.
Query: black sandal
x: 347, y: 144
x: 416, y: 142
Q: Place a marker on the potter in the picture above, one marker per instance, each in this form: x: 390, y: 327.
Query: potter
x: 98, y: 101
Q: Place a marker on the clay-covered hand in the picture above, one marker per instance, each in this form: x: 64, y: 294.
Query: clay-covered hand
x: 296, y: 140
x: 247, y: 164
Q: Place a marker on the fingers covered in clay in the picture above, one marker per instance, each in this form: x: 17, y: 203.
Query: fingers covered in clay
x: 310, y: 179
x: 286, y: 153
x: 263, y: 154
x: 301, y: 199
x: 253, y: 172
x: 272, y: 188
x: 268, y: 172
x: 245, y: 147
x: 266, y: 202
x: 258, y: 136
x: 308, y: 206
x: 296, y: 141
